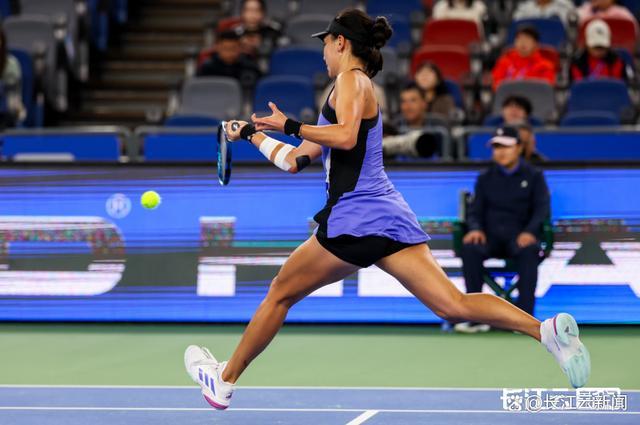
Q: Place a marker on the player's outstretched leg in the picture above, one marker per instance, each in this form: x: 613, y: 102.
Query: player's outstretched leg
x: 419, y: 272
x: 308, y: 268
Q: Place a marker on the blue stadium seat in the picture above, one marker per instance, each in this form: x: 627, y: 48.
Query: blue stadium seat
x: 552, y: 31
x: 590, y: 119
x: 606, y: 95
x: 633, y: 6
x: 181, y: 147
x: 168, y: 146
x: 568, y: 144
x: 79, y: 147
x: 401, y: 32
x: 277, y: 89
x: 394, y: 8
x: 120, y: 11
x: 300, y: 61
x: 191, y: 121
x: 284, y: 138
x: 99, y: 19
x: 5, y: 8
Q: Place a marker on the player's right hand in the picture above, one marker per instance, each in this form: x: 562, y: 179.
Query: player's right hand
x: 233, y: 131
x: 475, y: 237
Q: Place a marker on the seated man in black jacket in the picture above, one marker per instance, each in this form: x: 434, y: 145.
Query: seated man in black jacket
x: 510, y: 204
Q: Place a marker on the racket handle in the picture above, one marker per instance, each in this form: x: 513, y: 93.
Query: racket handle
x: 235, y: 125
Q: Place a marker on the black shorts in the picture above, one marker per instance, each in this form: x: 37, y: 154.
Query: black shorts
x: 361, y: 251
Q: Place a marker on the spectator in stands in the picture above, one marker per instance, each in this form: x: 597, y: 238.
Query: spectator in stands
x: 413, y: 108
x: 11, y: 73
x: 258, y: 30
x: 510, y: 204
x: 562, y: 9
x: 229, y: 61
x: 598, y: 60
x: 604, y: 9
x: 515, y: 110
x: 529, y: 149
x: 524, y: 61
x: 408, y: 137
x: 470, y: 10
x: 429, y: 78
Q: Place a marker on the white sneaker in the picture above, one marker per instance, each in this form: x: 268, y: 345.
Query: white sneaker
x: 471, y: 328
x: 205, y: 371
x: 560, y: 336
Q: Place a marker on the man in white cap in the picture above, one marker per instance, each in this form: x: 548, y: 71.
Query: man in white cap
x: 510, y: 204
x: 598, y: 60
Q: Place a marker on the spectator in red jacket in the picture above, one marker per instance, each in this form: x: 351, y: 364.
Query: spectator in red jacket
x: 598, y: 60
x: 524, y: 61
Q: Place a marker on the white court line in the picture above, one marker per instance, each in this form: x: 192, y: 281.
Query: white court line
x: 362, y: 418
x: 258, y: 387
x: 277, y: 409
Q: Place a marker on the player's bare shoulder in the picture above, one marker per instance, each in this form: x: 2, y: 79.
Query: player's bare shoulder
x: 354, y: 83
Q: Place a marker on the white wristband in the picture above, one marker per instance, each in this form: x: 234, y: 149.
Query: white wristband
x: 268, y: 145
x: 281, y: 157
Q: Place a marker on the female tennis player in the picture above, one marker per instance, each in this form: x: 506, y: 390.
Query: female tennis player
x: 365, y: 220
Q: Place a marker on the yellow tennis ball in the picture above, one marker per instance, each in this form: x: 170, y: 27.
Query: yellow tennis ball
x: 150, y: 199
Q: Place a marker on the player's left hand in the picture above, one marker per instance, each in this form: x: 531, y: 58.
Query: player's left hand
x: 274, y: 122
x: 525, y: 239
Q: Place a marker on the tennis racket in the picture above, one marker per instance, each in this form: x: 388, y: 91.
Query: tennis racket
x: 224, y: 153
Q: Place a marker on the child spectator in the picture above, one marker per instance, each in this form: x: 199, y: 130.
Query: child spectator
x: 524, y: 61
x: 598, y: 60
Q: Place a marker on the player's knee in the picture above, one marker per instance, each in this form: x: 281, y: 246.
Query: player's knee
x: 279, y: 294
x: 454, y: 310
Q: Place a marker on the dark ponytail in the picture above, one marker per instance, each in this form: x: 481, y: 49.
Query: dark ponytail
x: 379, y: 32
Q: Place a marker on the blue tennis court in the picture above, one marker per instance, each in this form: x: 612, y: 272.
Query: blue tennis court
x: 69, y: 405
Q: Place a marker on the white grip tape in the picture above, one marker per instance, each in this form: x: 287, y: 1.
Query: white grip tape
x: 268, y: 145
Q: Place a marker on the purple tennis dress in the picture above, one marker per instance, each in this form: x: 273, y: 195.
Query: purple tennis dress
x: 361, y: 200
